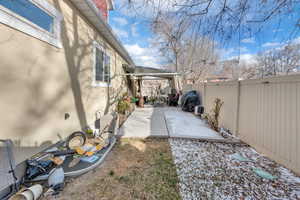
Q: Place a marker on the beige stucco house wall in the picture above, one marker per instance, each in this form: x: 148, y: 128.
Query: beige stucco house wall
x: 41, y: 83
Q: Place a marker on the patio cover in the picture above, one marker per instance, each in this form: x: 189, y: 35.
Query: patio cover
x: 140, y: 71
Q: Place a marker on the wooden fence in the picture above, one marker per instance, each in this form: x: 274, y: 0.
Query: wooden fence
x: 264, y: 113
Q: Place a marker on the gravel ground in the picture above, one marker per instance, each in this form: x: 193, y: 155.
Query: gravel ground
x: 209, y: 171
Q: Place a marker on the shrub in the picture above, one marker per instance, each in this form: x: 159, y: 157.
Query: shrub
x: 123, y: 106
x: 213, y: 119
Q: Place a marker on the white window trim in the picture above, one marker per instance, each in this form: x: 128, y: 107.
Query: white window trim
x: 13, y: 20
x: 96, y: 83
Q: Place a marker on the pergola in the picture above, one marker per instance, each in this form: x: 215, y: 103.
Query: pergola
x: 139, y: 73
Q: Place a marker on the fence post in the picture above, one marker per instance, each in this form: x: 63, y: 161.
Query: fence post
x: 238, y: 96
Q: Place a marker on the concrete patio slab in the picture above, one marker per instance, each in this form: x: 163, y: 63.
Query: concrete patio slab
x: 186, y: 125
x: 144, y: 123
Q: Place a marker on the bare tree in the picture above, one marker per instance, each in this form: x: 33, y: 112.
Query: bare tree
x: 180, y: 24
x: 278, y: 61
x: 236, y: 69
x: 266, y: 63
x: 186, y: 51
x: 289, y: 58
x: 199, y: 58
x: 224, y: 19
x: 170, y: 36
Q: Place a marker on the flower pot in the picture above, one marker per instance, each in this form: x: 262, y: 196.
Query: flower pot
x: 36, y: 190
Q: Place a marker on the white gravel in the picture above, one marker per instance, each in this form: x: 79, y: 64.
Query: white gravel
x: 208, y: 171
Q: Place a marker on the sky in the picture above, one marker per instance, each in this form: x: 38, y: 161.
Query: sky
x: 136, y: 36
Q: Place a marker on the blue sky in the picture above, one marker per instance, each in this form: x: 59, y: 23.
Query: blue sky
x: 136, y: 36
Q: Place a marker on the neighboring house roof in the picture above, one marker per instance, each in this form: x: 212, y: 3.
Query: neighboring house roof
x: 92, y: 13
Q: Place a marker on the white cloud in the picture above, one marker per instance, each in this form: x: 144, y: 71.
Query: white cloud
x: 134, y: 31
x: 226, y: 53
x: 248, y: 58
x: 231, y: 53
x: 120, y: 32
x: 243, y: 49
x: 121, y: 21
x: 248, y: 40
x: 147, y: 57
x: 271, y: 44
x: 135, y: 50
x: 296, y: 40
x: 244, y: 58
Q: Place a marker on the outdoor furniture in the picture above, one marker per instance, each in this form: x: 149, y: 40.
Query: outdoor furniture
x: 173, y: 98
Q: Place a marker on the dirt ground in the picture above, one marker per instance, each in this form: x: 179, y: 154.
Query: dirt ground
x: 135, y: 169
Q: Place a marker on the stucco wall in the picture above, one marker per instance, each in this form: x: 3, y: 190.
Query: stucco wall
x: 40, y: 83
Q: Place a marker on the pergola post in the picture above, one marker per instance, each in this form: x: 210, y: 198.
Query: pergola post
x: 133, y: 85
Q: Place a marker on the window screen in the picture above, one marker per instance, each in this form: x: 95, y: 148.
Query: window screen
x: 107, y: 69
x: 102, y: 66
x: 99, y: 65
x: 31, y: 12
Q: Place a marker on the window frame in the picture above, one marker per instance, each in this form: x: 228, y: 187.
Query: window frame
x: 18, y: 22
x: 95, y: 82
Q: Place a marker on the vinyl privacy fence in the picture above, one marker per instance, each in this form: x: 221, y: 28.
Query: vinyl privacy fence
x: 264, y: 113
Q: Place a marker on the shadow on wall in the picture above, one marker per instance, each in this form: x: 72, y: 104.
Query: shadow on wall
x: 75, y: 51
x: 44, y: 92
x: 40, y: 90
x: 40, y: 104
x: 113, y: 94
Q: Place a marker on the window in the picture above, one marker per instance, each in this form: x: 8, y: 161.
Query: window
x: 37, y: 18
x: 101, y: 66
x: 107, y: 68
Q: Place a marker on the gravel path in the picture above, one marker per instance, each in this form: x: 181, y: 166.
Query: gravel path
x: 210, y: 171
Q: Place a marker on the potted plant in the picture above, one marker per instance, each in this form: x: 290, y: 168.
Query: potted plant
x: 123, y: 108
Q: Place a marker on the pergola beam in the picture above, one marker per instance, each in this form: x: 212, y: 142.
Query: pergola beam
x: 158, y: 75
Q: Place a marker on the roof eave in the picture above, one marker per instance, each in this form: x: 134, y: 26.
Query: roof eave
x: 92, y: 13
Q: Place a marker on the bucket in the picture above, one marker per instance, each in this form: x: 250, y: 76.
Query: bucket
x: 36, y: 190
x: 25, y: 195
x: 32, y: 193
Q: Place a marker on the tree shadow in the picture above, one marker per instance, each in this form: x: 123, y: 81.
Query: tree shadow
x: 73, y: 47
x: 45, y: 91
x: 113, y: 94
